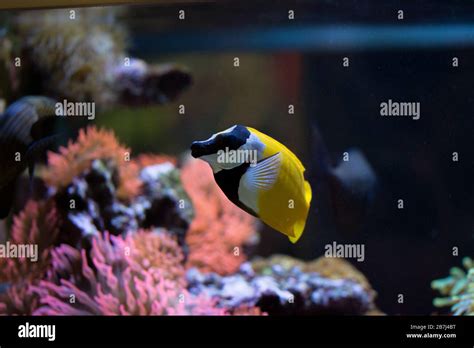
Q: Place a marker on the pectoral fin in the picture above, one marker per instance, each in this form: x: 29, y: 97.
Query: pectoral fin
x: 264, y: 174
x: 260, y: 177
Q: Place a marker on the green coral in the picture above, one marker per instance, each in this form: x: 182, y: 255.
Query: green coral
x: 457, y: 289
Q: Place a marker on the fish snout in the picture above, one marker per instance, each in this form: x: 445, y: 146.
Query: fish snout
x: 198, y: 149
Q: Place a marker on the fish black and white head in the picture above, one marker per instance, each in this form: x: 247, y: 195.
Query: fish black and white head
x: 229, y: 149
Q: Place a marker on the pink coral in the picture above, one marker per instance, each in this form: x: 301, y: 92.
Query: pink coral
x: 117, y: 283
x: 156, y: 250
x: 37, y: 224
x: 19, y: 299
x: 219, y: 230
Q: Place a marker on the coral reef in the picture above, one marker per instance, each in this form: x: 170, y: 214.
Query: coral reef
x: 164, y: 200
x: 98, y: 187
x: 457, y: 289
x: 220, y: 233
x: 120, y: 236
x: 333, y: 268
x: 284, y: 289
x: 38, y: 224
x: 149, y: 159
x: 90, y: 145
x: 86, y: 270
x: 118, y: 283
x: 18, y: 299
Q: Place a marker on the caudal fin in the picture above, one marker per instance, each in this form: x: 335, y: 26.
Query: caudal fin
x: 307, y: 192
x: 352, y: 185
x: 299, y: 226
x: 297, y: 230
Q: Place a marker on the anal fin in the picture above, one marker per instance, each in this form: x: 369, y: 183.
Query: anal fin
x: 298, y: 229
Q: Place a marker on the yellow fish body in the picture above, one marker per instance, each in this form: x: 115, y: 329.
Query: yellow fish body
x: 268, y: 183
x: 284, y: 206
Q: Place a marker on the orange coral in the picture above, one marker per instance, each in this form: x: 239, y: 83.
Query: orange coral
x: 218, y: 227
x: 91, y: 144
x: 155, y: 250
x: 145, y: 159
x: 247, y: 311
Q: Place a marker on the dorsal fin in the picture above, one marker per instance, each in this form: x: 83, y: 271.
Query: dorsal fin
x: 279, y: 147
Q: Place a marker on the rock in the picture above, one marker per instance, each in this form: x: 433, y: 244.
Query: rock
x: 328, y: 267
x: 287, y: 288
x: 89, y: 204
x: 166, y: 203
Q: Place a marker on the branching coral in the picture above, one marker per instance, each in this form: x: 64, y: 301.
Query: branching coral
x: 457, y: 289
x: 139, y: 267
x: 220, y: 231
x: 156, y: 249
x: 99, y: 187
x: 37, y: 225
x: 116, y: 282
x: 19, y: 299
x: 92, y: 144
